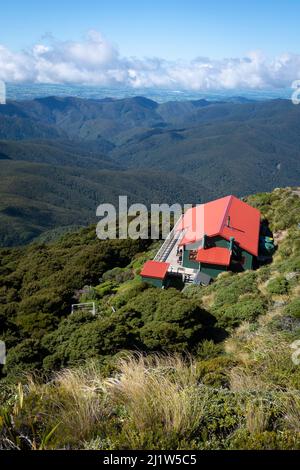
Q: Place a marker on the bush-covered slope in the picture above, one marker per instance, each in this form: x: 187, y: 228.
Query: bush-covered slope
x: 201, y: 148
x: 234, y: 385
x: 39, y: 197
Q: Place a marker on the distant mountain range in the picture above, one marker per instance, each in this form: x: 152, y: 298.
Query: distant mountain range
x: 22, y: 91
x: 61, y: 157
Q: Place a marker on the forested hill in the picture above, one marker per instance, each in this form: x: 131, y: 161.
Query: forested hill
x: 62, y: 157
x: 232, y: 383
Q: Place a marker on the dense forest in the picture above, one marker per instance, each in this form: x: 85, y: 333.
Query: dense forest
x: 203, y: 368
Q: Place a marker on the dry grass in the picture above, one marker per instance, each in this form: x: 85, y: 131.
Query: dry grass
x: 243, y: 379
x: 85, y: 404
x: 155, y: 401
x: 292, y: 411
x: 208, y: 300
x: 159, y: 391
x: 73, y: 400
x: 256, y: 417
x: 236, y: 344
x: 266, y: 365
x: 154, y: 394
x: 271, y: 314
x: 280, y: 235
x: 262, y: 286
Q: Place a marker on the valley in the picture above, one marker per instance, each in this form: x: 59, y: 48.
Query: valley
x: 62, y: 157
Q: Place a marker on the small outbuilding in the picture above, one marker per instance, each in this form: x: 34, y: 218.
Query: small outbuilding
x: 155, y: 272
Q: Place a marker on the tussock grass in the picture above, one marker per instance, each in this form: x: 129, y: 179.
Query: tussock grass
x: 292, y: 411
x: 266, y: 364
x: 159, y: 390
x: 155, y: 394
x: 243, y: 379
x: 152, y: 402
x: 256, y: 417
x: 73, y: 401
x: 83, y: 405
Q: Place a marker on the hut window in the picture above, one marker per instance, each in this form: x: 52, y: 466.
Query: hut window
x: 192, y: 255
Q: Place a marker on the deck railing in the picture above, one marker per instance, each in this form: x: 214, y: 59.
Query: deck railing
x: 169, y: 243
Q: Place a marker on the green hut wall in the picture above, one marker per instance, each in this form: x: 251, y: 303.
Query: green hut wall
x: 153, y: 281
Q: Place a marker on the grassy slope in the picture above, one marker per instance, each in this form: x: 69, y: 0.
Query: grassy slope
x: 241, y: 392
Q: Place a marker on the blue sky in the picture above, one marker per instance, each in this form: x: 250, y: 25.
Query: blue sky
x: 170, y: 29
x: 174, y: 44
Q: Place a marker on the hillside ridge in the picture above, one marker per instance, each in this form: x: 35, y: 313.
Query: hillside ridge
x: 165, y: 369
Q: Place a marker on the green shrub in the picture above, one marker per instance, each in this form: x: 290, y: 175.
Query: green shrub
x: 118, y: 274
x: 155, y: 320
x: 215, y: 371
x: 127, y: 292
x: 223, y: 414
x: 267, y: 440
x: 36, y: 325
x: 25, y: 356
x: 279, y: 285
x: 208, y: 349
x: 106, y: 288
x: 293, y: 308
x: 247, y: 309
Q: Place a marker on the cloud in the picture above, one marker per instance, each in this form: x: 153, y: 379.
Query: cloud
x: 96, y: 61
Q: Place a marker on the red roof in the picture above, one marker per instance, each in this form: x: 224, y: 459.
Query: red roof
x: 155, y: 269
x: 212, y: 220
x: 215, y: 255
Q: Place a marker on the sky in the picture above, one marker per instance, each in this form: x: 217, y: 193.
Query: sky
x: 193, y: 44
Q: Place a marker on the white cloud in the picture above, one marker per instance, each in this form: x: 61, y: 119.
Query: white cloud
x: 96, y: 61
